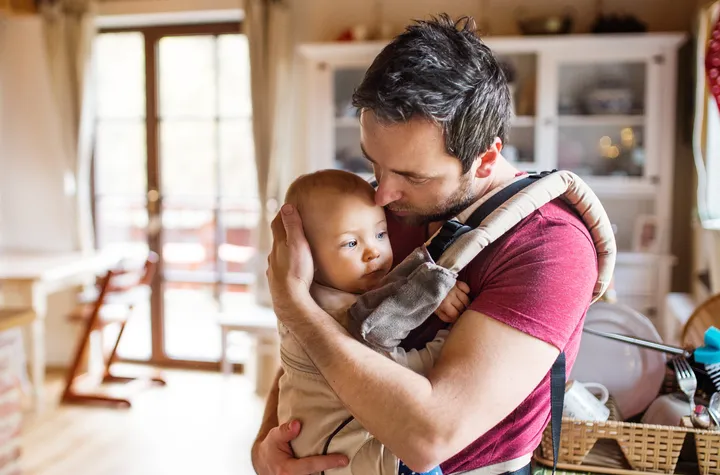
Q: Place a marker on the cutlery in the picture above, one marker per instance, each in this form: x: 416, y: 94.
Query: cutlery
x: 686, y: 379
x: 652, y: 345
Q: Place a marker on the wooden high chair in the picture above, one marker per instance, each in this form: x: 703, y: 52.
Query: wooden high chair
x: 114, y: 303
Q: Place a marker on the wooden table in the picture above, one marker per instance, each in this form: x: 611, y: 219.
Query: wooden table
x: 26, y: 281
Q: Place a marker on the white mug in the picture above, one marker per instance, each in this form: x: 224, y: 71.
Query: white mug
x: 581, y: 404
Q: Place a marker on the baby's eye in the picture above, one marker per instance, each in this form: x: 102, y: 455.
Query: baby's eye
x: 350, y: 244
x: 382, y: 235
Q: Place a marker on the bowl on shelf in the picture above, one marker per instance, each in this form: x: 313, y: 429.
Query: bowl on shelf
x: 610, y: 100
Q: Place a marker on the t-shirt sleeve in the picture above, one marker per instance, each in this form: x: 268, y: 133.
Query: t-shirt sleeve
x: 541, y: 280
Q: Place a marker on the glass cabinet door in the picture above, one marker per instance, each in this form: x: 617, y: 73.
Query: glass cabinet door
x: 521, y: 73
x: 601, y: 118
x: 347, y: 153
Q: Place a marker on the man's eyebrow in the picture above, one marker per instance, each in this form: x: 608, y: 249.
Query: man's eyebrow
x: 408, y: 174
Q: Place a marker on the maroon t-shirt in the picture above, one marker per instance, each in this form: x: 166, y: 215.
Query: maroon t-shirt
x: 537, y: 278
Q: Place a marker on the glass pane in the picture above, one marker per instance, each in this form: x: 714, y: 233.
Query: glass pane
x: 189, y: 238
x: 120, y: 158
x: 601, y: 150
x: 122, y: 222
x: 521, y: 72
x: 602, y: 89
x: 120, y: 71
x: 187, y: 156
x: 346, y: 80
x: 191, y: 331
x: 239, y: 221
x: 520, y: 144
x: 234, y: 76
x: 238, y: 173
x: 187, y: 76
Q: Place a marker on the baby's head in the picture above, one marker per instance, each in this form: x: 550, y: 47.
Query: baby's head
x: 346, y: 230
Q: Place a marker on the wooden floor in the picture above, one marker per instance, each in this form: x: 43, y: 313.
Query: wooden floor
x: 200, y: 423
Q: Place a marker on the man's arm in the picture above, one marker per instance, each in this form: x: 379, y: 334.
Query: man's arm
x: 475, y: 372
x: 488, y: 365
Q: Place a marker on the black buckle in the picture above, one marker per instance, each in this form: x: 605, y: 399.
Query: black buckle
x: 449, y: 232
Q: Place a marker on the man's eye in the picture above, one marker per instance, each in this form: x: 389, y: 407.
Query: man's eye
x: 350, y: 244
x: 416, y: 181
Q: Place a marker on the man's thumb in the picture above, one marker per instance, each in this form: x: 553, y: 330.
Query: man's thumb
x: 289, y: 431
x: 292, y: 223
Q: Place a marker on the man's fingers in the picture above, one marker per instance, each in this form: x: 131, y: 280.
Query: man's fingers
x: 277, y: 228
x: 286, y: 432
x: 292, y: 223
x: 315, y: 464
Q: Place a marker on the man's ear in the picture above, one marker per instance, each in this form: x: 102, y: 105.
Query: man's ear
x: 488, y: 159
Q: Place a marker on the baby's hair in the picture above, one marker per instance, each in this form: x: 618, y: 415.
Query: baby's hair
x: 338, y: 181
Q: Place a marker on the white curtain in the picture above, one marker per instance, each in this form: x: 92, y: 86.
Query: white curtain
x: 706, y: 149
x: 269, y: 29
x: 69, y: 27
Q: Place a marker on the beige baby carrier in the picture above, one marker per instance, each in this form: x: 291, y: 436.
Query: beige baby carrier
x: 414, y: 289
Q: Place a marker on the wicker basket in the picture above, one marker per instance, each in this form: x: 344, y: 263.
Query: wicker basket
x: 647, y: 448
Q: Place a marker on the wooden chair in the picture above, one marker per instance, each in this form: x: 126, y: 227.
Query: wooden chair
x: 114, y: 304
x: 705, y: 315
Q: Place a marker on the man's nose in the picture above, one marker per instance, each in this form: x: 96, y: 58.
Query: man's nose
x: 386, y: 193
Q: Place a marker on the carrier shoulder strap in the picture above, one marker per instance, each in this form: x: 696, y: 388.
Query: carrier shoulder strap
x: 453, y: 229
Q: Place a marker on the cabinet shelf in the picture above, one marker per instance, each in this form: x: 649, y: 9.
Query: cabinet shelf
x: 601, y: 120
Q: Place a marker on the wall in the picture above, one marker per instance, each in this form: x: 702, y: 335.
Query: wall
x: 36, y: 212
x: 323, y: 20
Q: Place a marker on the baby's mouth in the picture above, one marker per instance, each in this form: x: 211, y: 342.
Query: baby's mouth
x: 374, y: 272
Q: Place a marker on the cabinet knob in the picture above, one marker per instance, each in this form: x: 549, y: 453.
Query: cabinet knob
x: 549, y: 121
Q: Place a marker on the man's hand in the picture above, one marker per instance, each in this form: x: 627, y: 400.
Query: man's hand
x: 273, y: 455
x: 454, y: 303
x: 290, y: 265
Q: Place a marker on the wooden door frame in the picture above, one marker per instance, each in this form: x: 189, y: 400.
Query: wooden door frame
x: 151, y: 37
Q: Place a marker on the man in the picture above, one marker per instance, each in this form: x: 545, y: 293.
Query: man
x: 435, y: 110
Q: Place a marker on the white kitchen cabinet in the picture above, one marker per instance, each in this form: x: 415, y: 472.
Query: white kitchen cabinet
x: 602, y: 106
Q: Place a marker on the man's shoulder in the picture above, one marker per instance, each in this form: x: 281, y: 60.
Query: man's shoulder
x: 555, y: 223
x: 553, y: 234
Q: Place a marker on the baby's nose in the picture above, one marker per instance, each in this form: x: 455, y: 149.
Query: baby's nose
x: 371, y: 253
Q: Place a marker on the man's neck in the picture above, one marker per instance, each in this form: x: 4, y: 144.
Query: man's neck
x: 504, y: 173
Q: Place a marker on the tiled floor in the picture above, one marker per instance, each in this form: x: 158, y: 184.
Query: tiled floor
x: 200, y: 423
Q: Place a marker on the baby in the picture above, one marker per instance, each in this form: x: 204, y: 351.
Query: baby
x: 347, y: 233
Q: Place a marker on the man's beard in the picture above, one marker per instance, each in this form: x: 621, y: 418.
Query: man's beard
x: 459, y: 201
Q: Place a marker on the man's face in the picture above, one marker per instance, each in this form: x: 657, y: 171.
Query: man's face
x: 417, y: 180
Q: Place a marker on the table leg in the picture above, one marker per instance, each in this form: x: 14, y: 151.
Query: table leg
x: 224, y: 361
x: 22, y: 293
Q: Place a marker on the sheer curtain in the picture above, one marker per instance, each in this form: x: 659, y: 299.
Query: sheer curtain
x: 69, y: 29
x: 269, y: 30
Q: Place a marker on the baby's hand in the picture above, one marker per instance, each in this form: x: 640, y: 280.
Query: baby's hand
x: 455, y: 303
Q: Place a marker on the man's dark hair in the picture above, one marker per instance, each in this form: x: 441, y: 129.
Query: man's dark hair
x: 442, y: 71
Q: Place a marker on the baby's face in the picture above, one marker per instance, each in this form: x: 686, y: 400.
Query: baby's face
x: 349, y: 241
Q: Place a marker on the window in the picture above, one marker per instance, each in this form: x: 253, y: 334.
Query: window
x: 174, y: 172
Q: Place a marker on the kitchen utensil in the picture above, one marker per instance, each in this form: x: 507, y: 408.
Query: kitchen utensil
x: 700, y: 417
x: 651, y: 345
x: 686, y: 379
x: 714, y: 409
